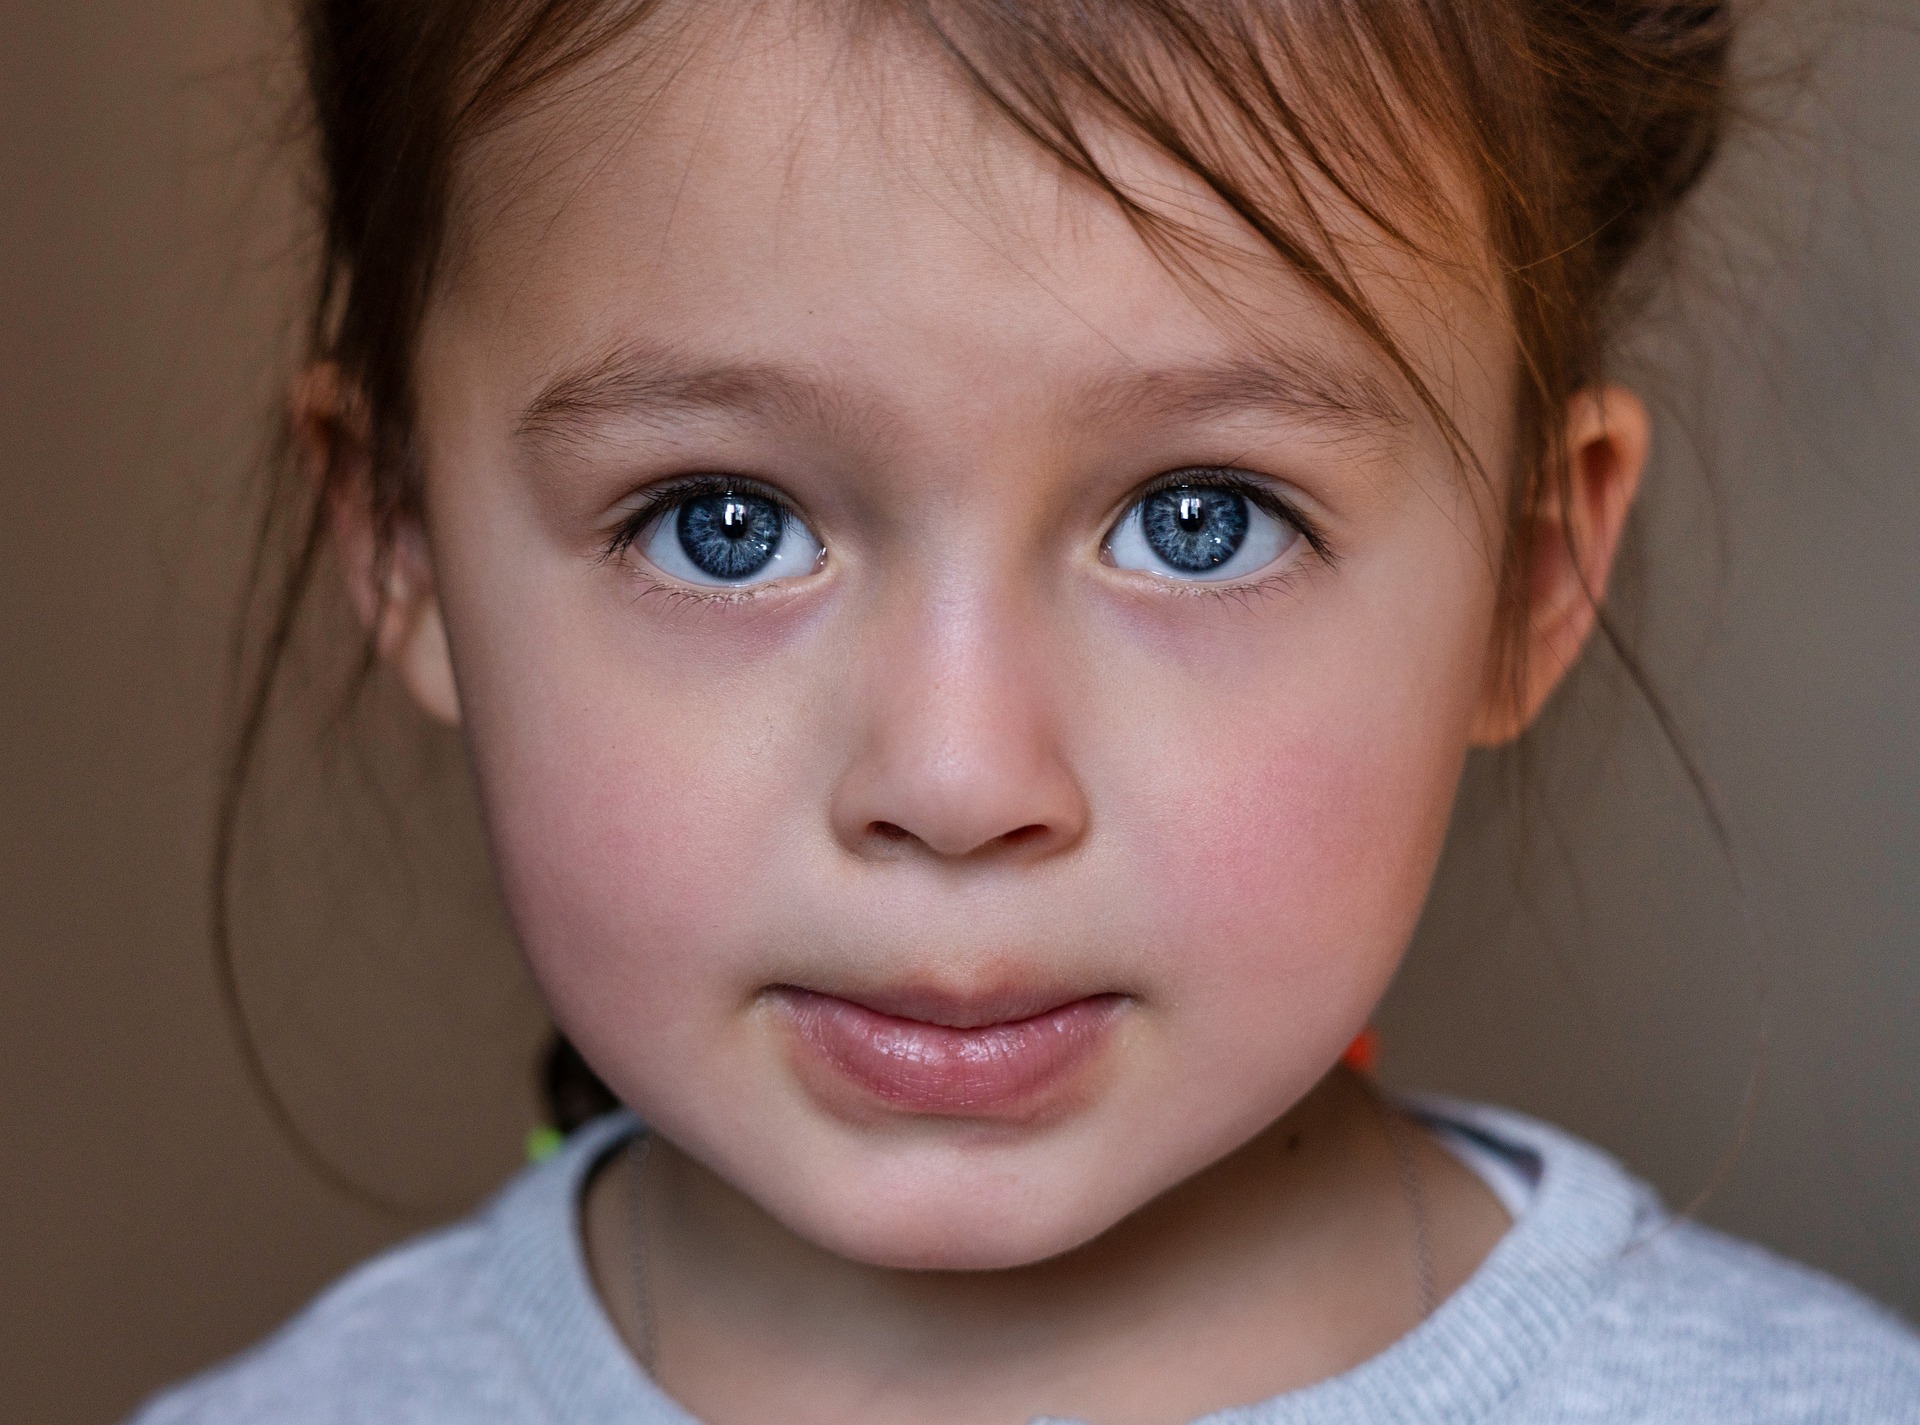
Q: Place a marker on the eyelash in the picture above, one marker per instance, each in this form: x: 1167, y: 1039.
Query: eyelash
x: 664, y: 497
x: 1247, y: 487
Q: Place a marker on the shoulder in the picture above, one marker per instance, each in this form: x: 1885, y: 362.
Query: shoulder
x: 486, y: 1322
x: 1683, y: 1323
x: 1711, y: 1324
x: 402, y: 1338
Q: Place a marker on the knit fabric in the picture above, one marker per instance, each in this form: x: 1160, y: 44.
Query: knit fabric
x: 1596, y: 1308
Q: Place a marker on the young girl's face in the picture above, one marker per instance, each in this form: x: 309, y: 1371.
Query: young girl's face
x: 966, y: 718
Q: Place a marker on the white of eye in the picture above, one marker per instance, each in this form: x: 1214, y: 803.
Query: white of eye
x: 781, y: 547
x: 1267, y: 537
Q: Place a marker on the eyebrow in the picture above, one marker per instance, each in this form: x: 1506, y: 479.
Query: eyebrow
x: 643, y: 379
x: 646, y: 380
x: 1308, y: 388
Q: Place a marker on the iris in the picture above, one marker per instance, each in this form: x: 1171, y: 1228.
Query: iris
x: 730, y: 536
x: 1192, y: 528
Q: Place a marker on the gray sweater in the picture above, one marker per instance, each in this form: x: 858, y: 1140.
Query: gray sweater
x: 1596, y: 1308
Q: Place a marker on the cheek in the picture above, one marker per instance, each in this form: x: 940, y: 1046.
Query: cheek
x: 1302, y: 874
x: 1292, y: 852
x: 632, y: 820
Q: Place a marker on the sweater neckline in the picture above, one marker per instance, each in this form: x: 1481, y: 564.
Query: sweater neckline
x: 1474, y: 1351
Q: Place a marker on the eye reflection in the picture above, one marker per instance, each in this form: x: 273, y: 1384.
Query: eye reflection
x: 1199, y: 533
x: 730, y: 538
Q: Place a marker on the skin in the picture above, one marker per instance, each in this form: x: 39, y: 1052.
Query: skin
x: 967, y: 752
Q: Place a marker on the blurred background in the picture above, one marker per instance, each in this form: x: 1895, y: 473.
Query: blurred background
x: 1591, y: 954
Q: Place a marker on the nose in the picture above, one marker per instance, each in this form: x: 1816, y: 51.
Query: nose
x: 958, y: 752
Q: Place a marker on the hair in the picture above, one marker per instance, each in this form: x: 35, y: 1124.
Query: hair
x: 1578, y: 126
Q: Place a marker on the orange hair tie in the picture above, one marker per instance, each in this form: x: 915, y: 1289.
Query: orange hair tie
x: 1364, y: 1053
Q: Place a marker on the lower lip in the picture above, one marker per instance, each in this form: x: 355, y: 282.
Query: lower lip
x: 989, y: 1070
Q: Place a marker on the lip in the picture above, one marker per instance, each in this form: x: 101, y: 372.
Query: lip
x: 1004, y: 1055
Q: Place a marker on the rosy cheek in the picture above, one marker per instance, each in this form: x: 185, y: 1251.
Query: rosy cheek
x: 1290, y: 871
x: 621, y: 837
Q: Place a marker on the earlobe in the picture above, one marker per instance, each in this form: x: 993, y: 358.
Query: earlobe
x: 420, y: 655
x: 394, y: 589
x: 1607, y: 436
x: 386, y: 563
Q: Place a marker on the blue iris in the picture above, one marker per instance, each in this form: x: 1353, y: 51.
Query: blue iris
x: 1193, y: 528
x: 730, y: 536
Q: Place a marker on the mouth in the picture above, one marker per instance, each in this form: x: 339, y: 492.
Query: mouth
x: 995, y: 1056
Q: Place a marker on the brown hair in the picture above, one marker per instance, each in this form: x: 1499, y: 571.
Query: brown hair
x: 1580, y: 124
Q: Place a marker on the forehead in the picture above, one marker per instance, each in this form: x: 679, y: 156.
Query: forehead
x: 773, y: 184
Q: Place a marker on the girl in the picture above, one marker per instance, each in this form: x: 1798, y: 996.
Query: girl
x: 968, y: 542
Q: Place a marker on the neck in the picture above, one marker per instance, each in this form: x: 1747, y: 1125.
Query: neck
x: 1290, y: 1260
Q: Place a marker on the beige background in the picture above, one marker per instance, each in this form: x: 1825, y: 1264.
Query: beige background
x: 151, y: 1219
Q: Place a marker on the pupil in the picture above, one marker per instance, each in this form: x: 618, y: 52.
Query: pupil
x: 730, y: 536
x: 1194, y: 530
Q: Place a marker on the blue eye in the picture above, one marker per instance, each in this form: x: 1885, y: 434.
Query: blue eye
x: 729, y: 538
x: 1199, y: 532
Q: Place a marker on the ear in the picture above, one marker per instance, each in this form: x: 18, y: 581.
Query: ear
x: 387, y: 563
x: 1607, y: 436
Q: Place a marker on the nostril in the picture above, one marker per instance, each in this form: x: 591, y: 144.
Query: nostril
x: 1008, y: 840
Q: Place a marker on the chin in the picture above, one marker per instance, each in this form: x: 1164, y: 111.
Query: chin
x: 940, y: 1239
x: 959, y: 1212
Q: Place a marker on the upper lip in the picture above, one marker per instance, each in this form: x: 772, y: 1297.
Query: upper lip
x: 951, y: 1009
